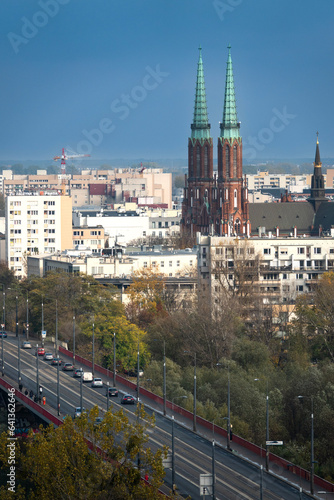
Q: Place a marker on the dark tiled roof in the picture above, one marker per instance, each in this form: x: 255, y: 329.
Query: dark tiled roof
x: 325, y: 216
x: 284, y: 215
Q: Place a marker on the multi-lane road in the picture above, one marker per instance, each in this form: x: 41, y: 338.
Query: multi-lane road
x: 235, y: 478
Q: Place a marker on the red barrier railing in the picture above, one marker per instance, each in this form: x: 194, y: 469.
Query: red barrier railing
x: 275, y: 459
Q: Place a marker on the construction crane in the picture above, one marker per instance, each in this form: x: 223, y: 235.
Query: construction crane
x: 65, y: 156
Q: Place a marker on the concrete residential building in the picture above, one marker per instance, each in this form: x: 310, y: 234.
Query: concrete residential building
x: 283, y: 267
x: 36, y: 224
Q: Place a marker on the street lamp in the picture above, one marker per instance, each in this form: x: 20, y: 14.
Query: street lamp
x: 114, y: 374
x: 73, y: 339
x: 267, y: 426
x: 312, y: 445
x: 2, y: 334
x: 56, y: 328
x: 18, y: 346
x: 27, y: 323
x: 37, y: 368
x: 93, y: 351
x: 194, y: 422
x: 173, y: 447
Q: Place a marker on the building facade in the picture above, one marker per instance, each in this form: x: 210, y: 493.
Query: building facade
x: 215, y: 204
x: 36, y: 224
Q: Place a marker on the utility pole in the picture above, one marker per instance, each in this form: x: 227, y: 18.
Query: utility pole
x: 164, y: 388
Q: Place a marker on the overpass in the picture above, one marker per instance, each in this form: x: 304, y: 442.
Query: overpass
x: 238, y: 473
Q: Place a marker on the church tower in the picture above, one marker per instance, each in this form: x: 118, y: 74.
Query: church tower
x: 232, y: 189
x: 317, y: 182
x: 199, y: 193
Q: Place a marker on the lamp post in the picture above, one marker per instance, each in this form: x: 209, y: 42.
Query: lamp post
x: 81, y: 398
x: 17, y: 321
x: 37, y: 369
x: 58, y: 388
x: 18, y: 345
x: 164, y: 383
x: 2, y: 334
x: 93, y: 351
x: 312, y: 446
x: 73, y: 339
x: 213, y: 470
x: 173, y: 447
x: 194, y: 422
x: 267, y: 425
x: 56, y: 328
x: 42, y: 322
x: 228, y: 411
x: 138, y: 373
x: 114, y: 373
x: 27, y: 323
x: 108, y: 395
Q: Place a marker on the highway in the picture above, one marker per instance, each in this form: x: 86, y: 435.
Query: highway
x: 235, y: 478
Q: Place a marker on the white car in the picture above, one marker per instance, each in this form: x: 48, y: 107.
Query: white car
x: 26, y: 345
x: 97, y: 382
x: 48, y: 356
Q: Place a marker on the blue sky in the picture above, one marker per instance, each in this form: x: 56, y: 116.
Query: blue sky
x: 117, y: 78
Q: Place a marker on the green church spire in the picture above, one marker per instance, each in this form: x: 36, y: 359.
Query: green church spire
x: 230, y: 126
x: 200, y: 128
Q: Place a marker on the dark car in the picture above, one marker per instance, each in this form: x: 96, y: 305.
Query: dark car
x: 68, y: 367
x: 56, y: 361
x: 78, y: 411
x: 127, y: 399
x: 78, y: 372
x: 113, y: 392
x: 3, y: 334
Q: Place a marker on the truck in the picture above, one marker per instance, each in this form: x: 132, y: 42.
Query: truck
x: 87, y: 377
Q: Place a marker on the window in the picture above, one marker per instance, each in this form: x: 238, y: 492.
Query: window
x: 299, y: 288
x: 285, y: 276
x: 299, y: 276
x: 317, y: 250
x: 284, y: 251
x: 301, y: 250
x: 162, y: 264
x: 170, y: 263
x: 331, y: 250
x: 145, y: 264
x: 266, y: 251
x: 178, y: 263
x: 154, y: 264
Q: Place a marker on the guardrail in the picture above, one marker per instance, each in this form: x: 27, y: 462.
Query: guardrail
x: 275, y: 459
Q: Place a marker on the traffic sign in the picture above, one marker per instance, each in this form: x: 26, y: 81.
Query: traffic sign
x: 274, y: 443
x: 43, y: 334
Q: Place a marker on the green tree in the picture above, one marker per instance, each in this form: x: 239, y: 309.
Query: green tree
x: 87, y: 461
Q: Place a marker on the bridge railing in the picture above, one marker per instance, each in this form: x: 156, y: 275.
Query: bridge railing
x: 278, y: 463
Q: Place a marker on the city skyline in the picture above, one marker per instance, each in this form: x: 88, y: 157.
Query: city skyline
x: 118, y: 80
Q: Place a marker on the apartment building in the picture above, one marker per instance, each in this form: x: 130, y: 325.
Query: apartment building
x: 89, y: 237
x: 279, y: 268
x: 172, y: 264
x: 36, y: 224
x: 290, y: 182
x: 98, y: 187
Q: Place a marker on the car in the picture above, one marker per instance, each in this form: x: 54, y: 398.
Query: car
x: 40, y: 351
x: 97, y: 382
x: 78, y: 411
x: 113, y: 392
x: 48, y: 356
x: 68, y: 367
x: 127, y: 399
x: 56, y: 361
x: 26, y: 345
x: 98, y: 420
x: 78, y: 372
x: 3, y: 334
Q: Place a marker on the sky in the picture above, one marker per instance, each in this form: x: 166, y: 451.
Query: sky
x: 116, y: 78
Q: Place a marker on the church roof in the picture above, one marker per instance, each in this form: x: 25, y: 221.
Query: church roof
x: 229, y: 127
x: 285, y: 216
x: 324, y: 216
x: 200, y: 128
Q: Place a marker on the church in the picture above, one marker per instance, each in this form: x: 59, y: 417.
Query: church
x: 217, y: 204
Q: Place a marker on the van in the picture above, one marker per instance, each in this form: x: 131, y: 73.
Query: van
x: 87, y: 377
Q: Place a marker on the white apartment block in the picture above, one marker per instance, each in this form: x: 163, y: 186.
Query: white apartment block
x: 123, y: 226
x: 172, y: 264
x: 286, y: 267
x: 36, y: 224
x: 290, y: 182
